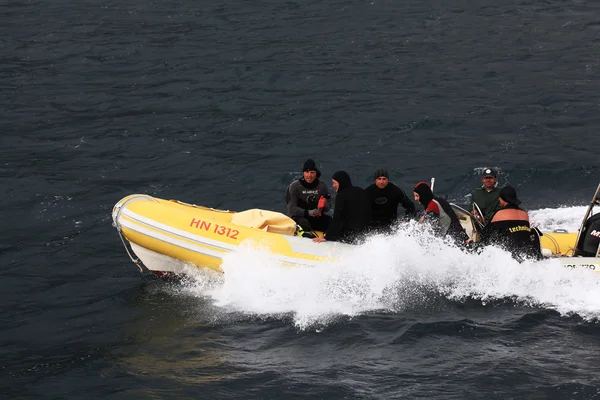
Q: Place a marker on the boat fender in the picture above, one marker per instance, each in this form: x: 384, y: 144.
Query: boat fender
x: 118, y: 208
x: 546, y: 253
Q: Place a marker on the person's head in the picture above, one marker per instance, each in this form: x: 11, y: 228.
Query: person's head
x: 382, y: 178
x: 508, y: 195
x: 423, y: 193
x: 310, y: 171
x: 341, y: 180
x: 489, y: 178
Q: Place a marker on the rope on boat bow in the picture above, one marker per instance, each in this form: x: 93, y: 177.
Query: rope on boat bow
x: 136, y: 261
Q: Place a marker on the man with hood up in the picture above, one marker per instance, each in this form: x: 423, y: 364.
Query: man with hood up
x: 439, y: 213
x: 510, y: 228
x: 306, y: 199
x: 351, y: 213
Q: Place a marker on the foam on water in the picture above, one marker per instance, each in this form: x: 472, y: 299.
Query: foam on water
x: 397, y: 272
x: 568, y: 218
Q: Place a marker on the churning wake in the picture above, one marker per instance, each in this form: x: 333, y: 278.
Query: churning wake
x: 392, y: 273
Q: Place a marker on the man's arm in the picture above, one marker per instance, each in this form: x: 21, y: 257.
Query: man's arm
x: 410, y: 210
x: 476, y: 200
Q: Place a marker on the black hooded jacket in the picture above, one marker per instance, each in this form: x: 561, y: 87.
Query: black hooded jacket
x: 352, y: 211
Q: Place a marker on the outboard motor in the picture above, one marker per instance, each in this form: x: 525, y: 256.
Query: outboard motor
x: 589, y: 238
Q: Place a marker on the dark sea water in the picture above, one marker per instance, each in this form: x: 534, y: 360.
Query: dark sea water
x: 219, y: 103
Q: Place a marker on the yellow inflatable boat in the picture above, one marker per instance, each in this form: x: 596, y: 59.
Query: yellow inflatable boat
x: 158, y: 234
x: 163, y: 231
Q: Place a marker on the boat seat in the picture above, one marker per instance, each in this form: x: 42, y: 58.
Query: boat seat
x: 268, y: 221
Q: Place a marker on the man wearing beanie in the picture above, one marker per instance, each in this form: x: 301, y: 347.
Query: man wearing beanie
x: 302, y: 199
x: 385, y: 198
x: 510, y: 228
x: 440, y: 214
x: 351, y: 214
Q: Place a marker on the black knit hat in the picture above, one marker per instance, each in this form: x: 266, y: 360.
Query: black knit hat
x: 310, y: 165
x: 379, y: 172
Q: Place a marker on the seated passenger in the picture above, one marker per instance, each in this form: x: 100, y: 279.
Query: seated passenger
x: 486, y: 196
x: 385, y: 198
x: 510, y: 229
x: 351, y: 213
x: 306, y: 199
x: 439, y: 213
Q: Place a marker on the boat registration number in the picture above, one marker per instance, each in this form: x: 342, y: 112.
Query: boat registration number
x: 214, y: 228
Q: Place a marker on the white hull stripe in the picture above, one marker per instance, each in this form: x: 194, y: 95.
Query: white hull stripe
x: 172, y: 241
x: 177, y: 232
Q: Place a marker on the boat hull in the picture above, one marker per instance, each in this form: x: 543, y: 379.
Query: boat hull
x: 559, y: 242
x: 202, y: 236
x: 169, y: 236
x: 160, y: 264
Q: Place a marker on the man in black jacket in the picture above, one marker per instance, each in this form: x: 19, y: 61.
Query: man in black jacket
x: 351, y: 213
x: 306, y: 199
x: 385, y: 198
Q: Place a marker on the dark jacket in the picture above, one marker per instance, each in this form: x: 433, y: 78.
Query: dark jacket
x: 384, y: 204
x: 514, y: 235
x: 487, y: 201
x: 301, y: 196
x: 351, y: 213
